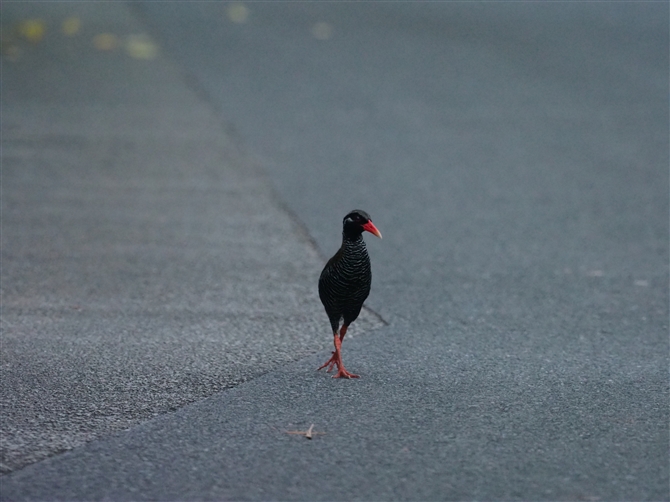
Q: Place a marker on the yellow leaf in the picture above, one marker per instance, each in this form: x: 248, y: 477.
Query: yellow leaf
x: 141, y: 47
x: 71, y: 26
x: 32, y: 30
x: 105, y: 42
x: 238, y: 12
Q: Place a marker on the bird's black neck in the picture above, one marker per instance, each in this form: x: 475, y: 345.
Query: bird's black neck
x: 353, y: 243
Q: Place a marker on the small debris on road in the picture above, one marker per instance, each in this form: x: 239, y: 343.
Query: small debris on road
x: 308, y: 433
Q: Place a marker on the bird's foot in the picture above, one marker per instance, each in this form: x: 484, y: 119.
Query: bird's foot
x: 342, y: 373
x: 330, y: 363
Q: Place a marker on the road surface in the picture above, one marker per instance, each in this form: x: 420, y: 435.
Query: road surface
x: 515, y: 158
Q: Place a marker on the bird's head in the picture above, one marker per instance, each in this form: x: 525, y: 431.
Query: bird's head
x: 358, y: 221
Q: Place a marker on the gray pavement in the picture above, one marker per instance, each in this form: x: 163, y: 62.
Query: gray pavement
x: 515, y: 157
x: 145, y: 262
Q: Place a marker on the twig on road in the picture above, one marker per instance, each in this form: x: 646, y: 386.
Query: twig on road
x: 308, y: 433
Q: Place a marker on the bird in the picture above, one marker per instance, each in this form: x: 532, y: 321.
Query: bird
x: 345, y: 282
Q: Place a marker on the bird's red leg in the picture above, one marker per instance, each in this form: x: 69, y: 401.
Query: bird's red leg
x: 343, y: 331
x: 341, y: 371
x: 336, y: 358
x: 333, y: 359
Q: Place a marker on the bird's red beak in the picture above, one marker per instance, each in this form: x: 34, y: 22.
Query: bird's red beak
x: 370, y: 227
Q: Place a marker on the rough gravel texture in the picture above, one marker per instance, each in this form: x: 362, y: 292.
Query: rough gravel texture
x: 515, y: 157
x: 145, y: 262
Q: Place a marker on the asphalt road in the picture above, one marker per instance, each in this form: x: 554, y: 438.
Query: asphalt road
x: 515, y: 157
x: 146, y: 262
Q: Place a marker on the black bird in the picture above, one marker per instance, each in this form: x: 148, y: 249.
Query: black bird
x: 345, y: 283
